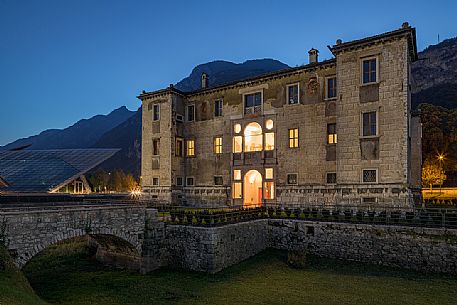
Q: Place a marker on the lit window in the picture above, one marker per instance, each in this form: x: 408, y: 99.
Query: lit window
x: 218, y: 180
x: 268, y: 173
x: 237, y: 174
x: 190, y: 148
x: 155, y: 147
x: 236, y: 192
x: 156, y: 112
x: 218, y: 108
x: 269, y: 141
x: 218, y: 145
x: 369, y: 176
x: 331, y: 87
x: 190, y: 181
x: 291, y: 178
x: 179, y: 147
x: 331, y: 134
x: 369, y: 71
x: 269, y: 190
x: 269, y: 124
x: 293, y: 138
x: 179, y: 181
x: 369, y: 124
x: 292, y: 94
x: 237, y: 128
x: 190, y: 113
x: 253, y: 103
x: 331, y: 178
x: 253, y: 137
x: 155, y: 181
x: 237, y: 144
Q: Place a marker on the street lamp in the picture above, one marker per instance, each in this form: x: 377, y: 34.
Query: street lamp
x: 440, y: 158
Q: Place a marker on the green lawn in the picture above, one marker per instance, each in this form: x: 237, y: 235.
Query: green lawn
x: 69, y: 277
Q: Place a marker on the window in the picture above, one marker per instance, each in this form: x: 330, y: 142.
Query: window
x: 190, y: 181
x: 331, y: 134
x: 236, y: 191
x: 369, y: 176
x: 156, y: 112
x: 369, y: 124
x: 331, y: 178
x: 269, y: 141
x: 369, y: 67
x: 190, y: 113
x: 155, y: 181
x: 190, y: 146
x: 218, y: 108
x: 253, y: 103
x: 237, y: 128
x: 253, y: 137
x: 292, y: 178
x: 218, y: 145
x: 331, y: 87
x: 218, y: 180
x: 237, y: 144
x: 179, y: 181
x: 292, y: 94
x: 155, y: 147
x: 269, y: 124
x: 268, y: 173
x: 269, y: 190
x: 293, y: 138
x: 237, y: 174
x: 179, y: 147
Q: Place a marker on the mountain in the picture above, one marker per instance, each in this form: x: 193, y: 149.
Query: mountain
x: 220, y: 72
x: 435, y: 75
x: 127, y: 137
x: 83, y: 134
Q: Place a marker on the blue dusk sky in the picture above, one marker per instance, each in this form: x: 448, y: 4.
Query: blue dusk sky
x: 62, y: 60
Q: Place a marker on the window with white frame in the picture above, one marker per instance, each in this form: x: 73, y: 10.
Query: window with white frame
x: 190, y: 113
x: 370, y: 176
x: 269, y: 186
x: 218, y: 108
x: 155, y: 181
x: 369, y: 70
x: 293, y: 96
x: 190, y: 148
x: 369, y: 124
x: 237, y: 184
x: 189, y: 181
x: 156, y: 112
x: 253, y: 103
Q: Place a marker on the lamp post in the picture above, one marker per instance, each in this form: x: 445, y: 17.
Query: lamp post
x: 440, y: 158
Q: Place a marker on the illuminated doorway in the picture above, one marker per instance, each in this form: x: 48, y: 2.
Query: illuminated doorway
x: 252, y: 189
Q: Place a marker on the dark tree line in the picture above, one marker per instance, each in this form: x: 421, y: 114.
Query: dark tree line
x: 117, y: 181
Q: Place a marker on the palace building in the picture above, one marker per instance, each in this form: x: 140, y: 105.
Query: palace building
x: 339, y: 131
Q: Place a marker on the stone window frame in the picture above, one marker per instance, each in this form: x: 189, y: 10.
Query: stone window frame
x: 369, y: 169
x: 154, y: 119
x: 298, y: 93
x: 296, y: 179
x: 293, y: 138
x: 182, y: 181
x: 327, y: 78
x: 361, y: 124
x: 155, y: 178
x: 181, y: 145
x: 187, y: 180
x: 251, y: 93
x: 187, y: 112
x: 362, y: 60
x: 156, y: 140
x: 220, y: 109
x: 218, y: 176
x: 190, y: 151
x: 327, y: 180
x: 332, y: 138
x: 217, y: 148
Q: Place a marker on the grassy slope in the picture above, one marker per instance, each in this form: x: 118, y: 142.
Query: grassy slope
x: 265, y: 279
x: 14, y: 287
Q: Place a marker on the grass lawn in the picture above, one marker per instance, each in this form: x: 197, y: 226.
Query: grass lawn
x: 72, y: 278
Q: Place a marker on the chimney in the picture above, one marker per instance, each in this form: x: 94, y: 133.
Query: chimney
x: 204, y: 80
x: 313, y: 56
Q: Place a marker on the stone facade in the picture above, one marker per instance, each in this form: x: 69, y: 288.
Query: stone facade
x: 321, y: 169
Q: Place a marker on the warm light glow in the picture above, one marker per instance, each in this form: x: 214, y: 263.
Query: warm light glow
x: 269, y: 124
x: 237, y: 174
x: 252, y: 189
x: 253, y: 137
x: 269, y: 141
x: 236, y: 190
x: 440, y: 157
x: 237, y: 144
x: 237, y: 128
x: 268, y: 173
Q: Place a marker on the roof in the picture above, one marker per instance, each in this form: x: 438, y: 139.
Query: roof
x: 39, y: 171
x: 3, y: 182
x: 404, y: 31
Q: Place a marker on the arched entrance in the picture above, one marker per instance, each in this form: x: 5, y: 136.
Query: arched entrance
x: 252, y: 189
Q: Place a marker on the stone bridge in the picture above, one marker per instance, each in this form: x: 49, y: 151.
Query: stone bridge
x: 27, y: 230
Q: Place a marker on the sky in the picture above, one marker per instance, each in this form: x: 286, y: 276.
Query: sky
x: 62, y: 60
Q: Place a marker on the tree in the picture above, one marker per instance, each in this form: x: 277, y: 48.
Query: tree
x: 131, y: 183
x: 432, y: 173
